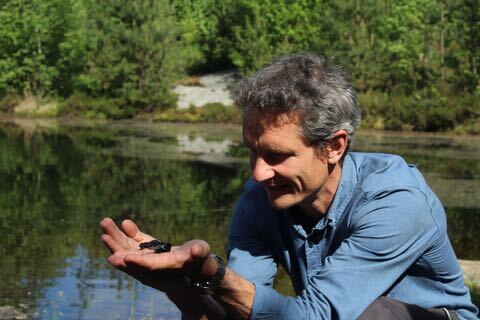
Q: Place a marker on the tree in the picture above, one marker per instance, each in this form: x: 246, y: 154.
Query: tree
x: 41, y: 46
x: 463, y: 43
x: 137, y: 51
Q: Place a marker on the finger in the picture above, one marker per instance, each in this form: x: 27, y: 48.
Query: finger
x: 199, y: 250
x: 130, y: 228
x: 128, y: 265
x: 110, y: 228
x: 112, y: 245
x: 117, y: 260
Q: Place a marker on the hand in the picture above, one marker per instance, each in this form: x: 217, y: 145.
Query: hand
x: 165, y: 271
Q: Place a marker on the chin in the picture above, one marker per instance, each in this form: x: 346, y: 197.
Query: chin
x: 282, y: 202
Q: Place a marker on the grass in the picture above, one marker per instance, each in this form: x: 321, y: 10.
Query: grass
x: 475, y: 293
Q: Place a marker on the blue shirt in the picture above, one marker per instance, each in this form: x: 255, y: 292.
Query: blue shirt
x: 385, y: 233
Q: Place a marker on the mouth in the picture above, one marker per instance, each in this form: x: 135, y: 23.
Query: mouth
x: 277, y: 188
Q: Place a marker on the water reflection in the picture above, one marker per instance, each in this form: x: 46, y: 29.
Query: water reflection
x: 58, y: 179
x: 86, y: 290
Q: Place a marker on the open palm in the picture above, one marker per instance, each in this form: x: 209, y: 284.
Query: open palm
x: 163, y: 271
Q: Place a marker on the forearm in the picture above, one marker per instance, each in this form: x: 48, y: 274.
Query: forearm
x: 234, y: 297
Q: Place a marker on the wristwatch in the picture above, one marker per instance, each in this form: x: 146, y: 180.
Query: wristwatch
x: 210, y: 286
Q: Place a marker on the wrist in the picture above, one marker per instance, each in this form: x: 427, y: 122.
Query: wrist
x: 180, y: 289
x: 210, y: 280
x: 208, y: 269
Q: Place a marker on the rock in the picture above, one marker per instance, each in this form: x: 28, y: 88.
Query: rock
x: 471, y: 271
x: 212, y: 88
x: 9, y: 312
x: 34, y: 107
x: 28, y: 105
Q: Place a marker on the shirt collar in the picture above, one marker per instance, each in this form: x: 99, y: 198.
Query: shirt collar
x: 343, y: 195
x: 346, y: 187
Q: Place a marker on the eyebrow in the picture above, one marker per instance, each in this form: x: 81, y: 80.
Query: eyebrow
x: 271, y: 149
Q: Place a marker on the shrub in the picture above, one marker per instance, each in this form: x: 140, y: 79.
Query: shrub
x: 9, y: 102
x: 212, y: 112
x: 217, y: 112
x: 421, y: 111
x: 81, y: 105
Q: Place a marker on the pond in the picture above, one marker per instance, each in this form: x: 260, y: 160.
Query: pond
x: 59, y: 178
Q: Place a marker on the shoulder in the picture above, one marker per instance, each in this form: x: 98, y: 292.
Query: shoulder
x: 379, y: 171
x: 395, y: 191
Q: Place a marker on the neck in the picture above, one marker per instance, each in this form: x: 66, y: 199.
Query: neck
x: 317, y: 205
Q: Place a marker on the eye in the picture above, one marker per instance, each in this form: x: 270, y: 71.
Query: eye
x: 273, y: 158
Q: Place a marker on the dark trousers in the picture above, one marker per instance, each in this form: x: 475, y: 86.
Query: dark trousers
x: 389, y: 309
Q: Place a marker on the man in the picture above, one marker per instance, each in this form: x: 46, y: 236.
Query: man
x: 361, y: 235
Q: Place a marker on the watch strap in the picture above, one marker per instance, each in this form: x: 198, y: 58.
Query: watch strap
x: 209, y: 286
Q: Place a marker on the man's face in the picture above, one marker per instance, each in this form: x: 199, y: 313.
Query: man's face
x: 292, y: 171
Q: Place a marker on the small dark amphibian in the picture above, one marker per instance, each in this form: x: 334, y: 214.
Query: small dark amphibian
x: 156, y: 245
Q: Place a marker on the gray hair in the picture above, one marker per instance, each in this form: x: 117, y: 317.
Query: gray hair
x: 306, y: 84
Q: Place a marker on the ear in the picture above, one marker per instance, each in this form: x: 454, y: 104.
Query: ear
x: 337, y: 146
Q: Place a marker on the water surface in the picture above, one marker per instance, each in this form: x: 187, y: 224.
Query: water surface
x: 59, y: 178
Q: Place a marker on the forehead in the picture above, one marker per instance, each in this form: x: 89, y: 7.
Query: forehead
x: 283, y: 125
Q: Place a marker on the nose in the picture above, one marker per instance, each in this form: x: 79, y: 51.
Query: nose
x: 261, y: 170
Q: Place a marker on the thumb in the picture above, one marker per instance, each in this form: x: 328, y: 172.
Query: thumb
x: 199, y: 250
x: 130, y: 228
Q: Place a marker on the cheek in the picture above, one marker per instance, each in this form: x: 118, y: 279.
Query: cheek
x: 311, y: 177
x: 317, y: 178
x: 294, y: 176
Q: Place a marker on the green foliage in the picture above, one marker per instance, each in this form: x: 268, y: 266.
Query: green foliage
x: 403, y: 36
x: 42, y: 44
x: 8, y: 103
x: 263, y: 30
x: 128, y: 51
x: 475, y: 293
x: 463, y: 46
x: 217, y: 112
x: 427, y: 110
x: 202, y: 23
x: 415, y: 62
x: 252, y: 47
x: 80, y: 104
x: 211, y: 112
x: 136, y: 52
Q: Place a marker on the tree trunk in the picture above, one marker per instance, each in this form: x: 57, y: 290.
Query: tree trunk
x: 442, y: 41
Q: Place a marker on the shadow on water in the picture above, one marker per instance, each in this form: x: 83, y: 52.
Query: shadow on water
x: 57, y: 181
